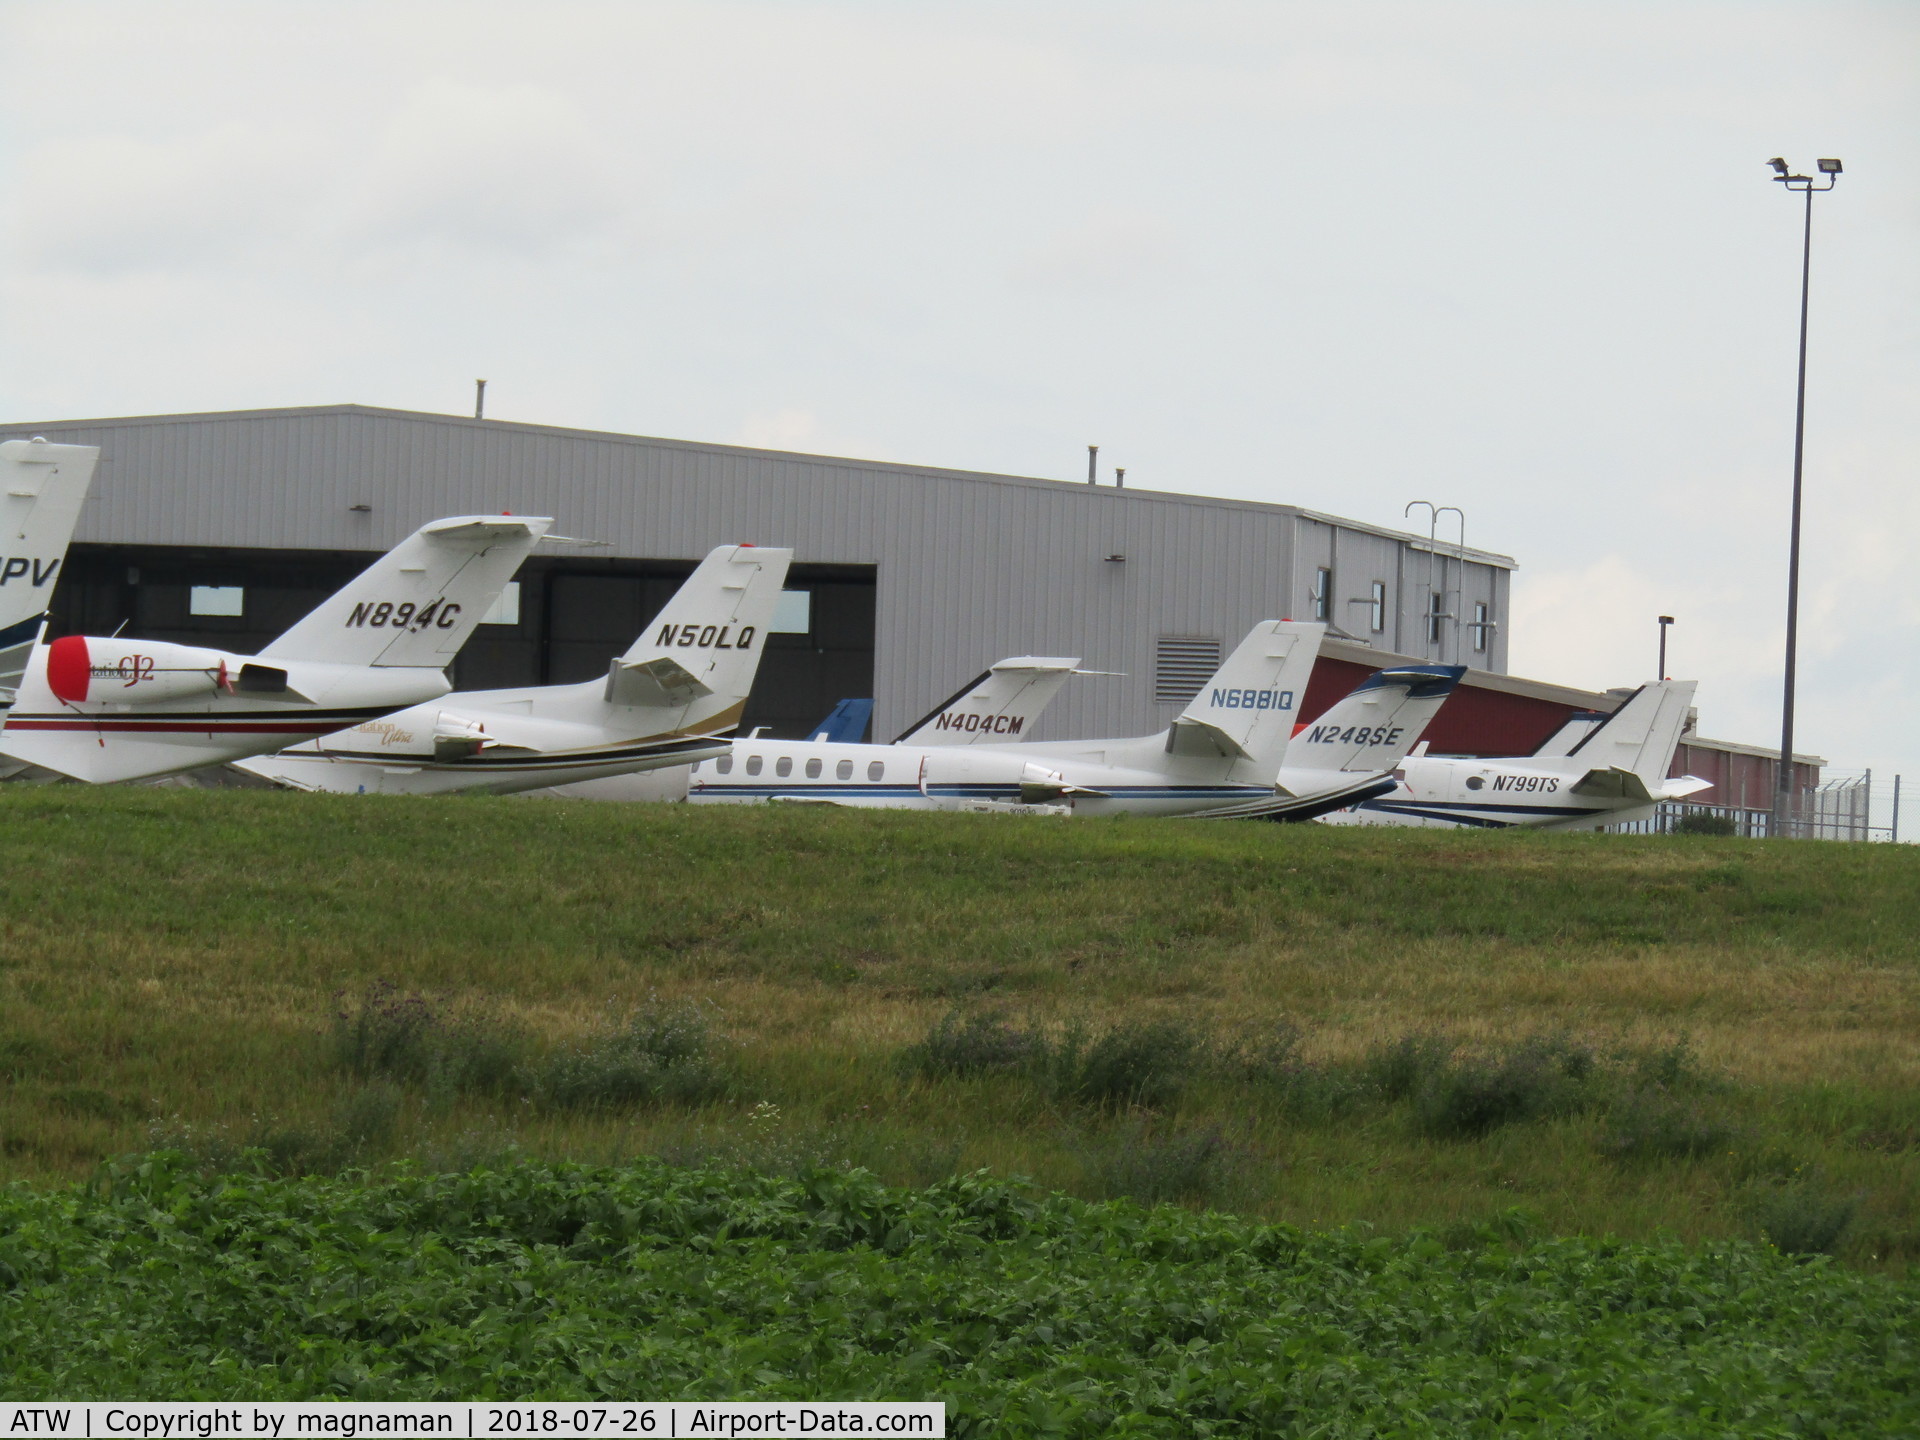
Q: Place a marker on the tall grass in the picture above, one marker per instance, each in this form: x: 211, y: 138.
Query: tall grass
x: 170, y: 953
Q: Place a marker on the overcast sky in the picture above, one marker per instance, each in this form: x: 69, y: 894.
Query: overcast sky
x: 1522, y: 258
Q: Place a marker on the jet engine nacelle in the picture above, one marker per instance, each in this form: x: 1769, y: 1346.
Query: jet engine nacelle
x: 130, y: 672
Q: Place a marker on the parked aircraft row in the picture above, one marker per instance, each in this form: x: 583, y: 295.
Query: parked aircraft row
x: 354, y: 698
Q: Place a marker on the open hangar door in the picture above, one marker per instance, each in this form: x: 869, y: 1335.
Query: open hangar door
x: 564, y: 619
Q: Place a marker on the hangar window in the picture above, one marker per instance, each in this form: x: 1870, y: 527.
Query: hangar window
x: 843, y: 771
x: 1181, y: 665
x: 1480, y: 625
x: 753, y: 764
x: 793, y: 614
x: 1377, y: 606
x: 1322, y: 592
x: 876, y: 769
x: 216, y: 600
x: 724, y: 764
x: 783, y: 767
x: 813, y: 768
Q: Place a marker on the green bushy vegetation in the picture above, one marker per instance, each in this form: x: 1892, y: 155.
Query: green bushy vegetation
x: 1028, y: 1314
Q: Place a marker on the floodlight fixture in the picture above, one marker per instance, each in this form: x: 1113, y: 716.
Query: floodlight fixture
x: 1829, y: 167
x: 1779, y: 165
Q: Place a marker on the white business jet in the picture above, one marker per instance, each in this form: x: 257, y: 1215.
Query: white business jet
x: 1228, y: 753
x: 44, y: 488
x: 675, y: 696
x: 1005, y: 700
x: 104, y: 710
x: 1592, y: 772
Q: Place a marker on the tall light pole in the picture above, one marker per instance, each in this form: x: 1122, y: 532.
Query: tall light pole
x: 1783, y: 787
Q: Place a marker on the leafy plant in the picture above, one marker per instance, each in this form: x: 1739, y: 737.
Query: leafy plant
x: 656, y: 1056
x: 1271, y: 1061
x: 1401, y: 1069
x: 977, y: 1043
x: 1134, y: 1161
x: 1700, y: 822
x: 1029, y: 1314
x: 1652, y: 1123
x: 1538, y: 1077
x: 1801, y: 1217
x: 390, y: 1035
x: 1135, y: 1063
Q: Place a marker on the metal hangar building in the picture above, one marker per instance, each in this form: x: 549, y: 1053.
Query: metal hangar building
x: 908, y: 580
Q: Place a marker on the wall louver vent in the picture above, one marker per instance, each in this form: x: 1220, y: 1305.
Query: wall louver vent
x: 1181, y: 665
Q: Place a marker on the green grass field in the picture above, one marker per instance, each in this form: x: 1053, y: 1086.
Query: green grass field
x: 171, y: 963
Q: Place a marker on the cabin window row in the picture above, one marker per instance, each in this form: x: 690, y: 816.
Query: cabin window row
x: 783, y: 767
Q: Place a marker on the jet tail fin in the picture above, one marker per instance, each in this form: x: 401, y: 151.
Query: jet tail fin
x: 847, y: 725
x: 1246, y: 711
x: 698, y: 656
x: 42, y: 487
x: 1001, y: 704
x: 1638, y: 739
x: 1378, y: 722
x: 417, y: 604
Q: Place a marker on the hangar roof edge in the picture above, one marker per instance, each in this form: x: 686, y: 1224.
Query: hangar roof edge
x: 1483, y: 557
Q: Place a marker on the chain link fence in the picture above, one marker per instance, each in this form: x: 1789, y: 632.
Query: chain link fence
x: 1846, y: 807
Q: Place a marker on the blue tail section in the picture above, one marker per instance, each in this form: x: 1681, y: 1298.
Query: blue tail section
x: 847, y: 725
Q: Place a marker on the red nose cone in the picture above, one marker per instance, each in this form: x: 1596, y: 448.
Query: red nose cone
x: 68, y: 669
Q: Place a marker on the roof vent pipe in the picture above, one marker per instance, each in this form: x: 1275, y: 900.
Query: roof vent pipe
x: 1093, y: 459
x: 479, y: 399
x: 1119, y: 477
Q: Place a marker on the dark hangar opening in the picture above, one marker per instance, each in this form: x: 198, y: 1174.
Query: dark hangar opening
x: 566, y: 621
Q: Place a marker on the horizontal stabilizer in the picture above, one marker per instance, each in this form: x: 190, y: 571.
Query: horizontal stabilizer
x: 1204, y: 738
x: 1682, y: 786
x: 662, y: 680
x: 1614, y: 783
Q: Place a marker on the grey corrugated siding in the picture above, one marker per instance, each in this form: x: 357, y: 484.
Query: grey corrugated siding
x: 971, y: 567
